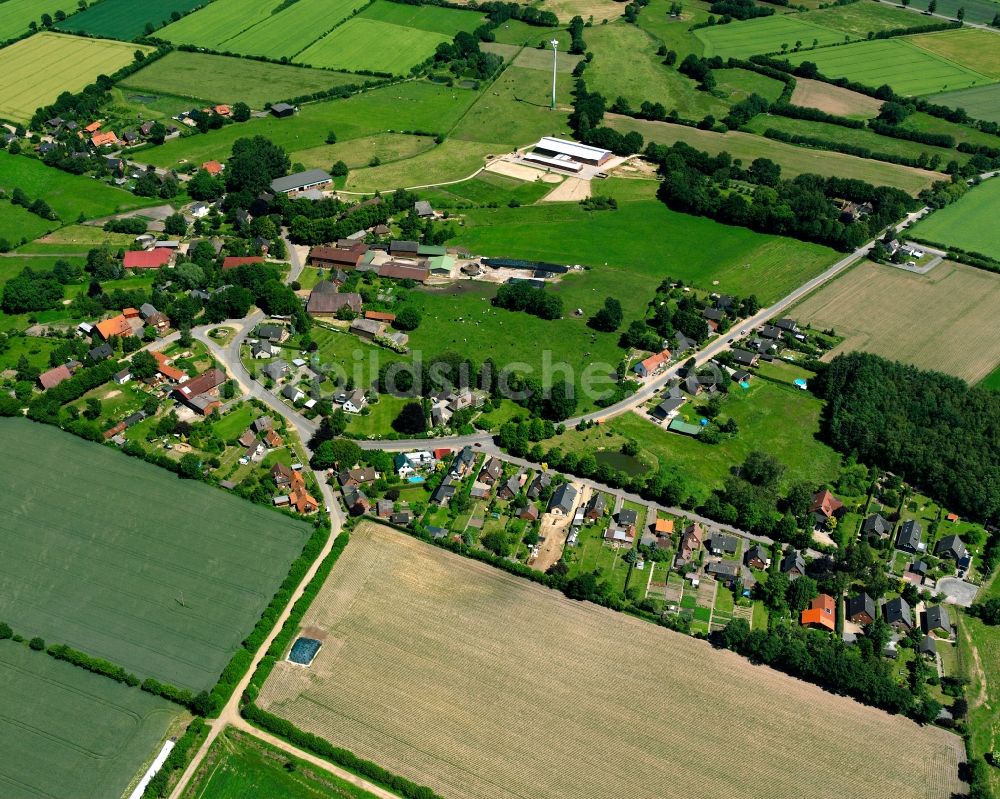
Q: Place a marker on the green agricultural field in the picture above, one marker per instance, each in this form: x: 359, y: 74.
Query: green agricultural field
x: 17, y: 15
x: 625, y: 64
x: 36, y: 70
x: 76, y: 239
x: 857, y: 137
x: 169, y: 595
x: 220, y: 79
x: 18, y: 225
x: 290, y: 31
x: 738, y: 84
x: 239, y: 765
x: 452, y: 160
x: 674, y: 32
x: 433, y: 19
x: 484, y: 189
x: 857, y: 19
x: 992, y: 380
x: 973, y: 48
x: 366, y: 44
x: 359, y: 152
x: 414, y: 105
x: 67, y: 732
x: 904, y: 66
x: 969, y: 223
x: 982, y: 102
x: 962, y: 133
x: 765, y: 35
x: 981, y: 11
x: 777, y: 419
x: 68, y: 195
x: 218, y: 21
x: 646, y: 240
x: 124, y: 19
x: 515, y: 32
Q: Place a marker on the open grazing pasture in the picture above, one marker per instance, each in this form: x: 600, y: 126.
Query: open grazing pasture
x: 483, y: 685
x: 124, y: 19
x: 766, y: 35
x: 68, y: 195
x: 907, y: 68
x: 36, y: 70
x: 874, y: 306
x: 221, y: 79
x: 834, y: 99
x: 372, y: 45
x: 857, y: 19
x: 218, y: 21
x: 792, y: 159
x: 969, y: 223
x: 292, y: 30
x: 973, y: 48
x: 434, y: 19
x: 17, y: 15
x: 982, y: 102
x: 67, y: 732
x: 240, y: 765
x: 124, y: 561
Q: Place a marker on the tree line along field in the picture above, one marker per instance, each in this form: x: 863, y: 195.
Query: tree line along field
x: 239, y: 765
x: 874, y: 307
x: 86, y: 561
x: 435, y: 648
x: 67, y: 732
x: 36, y: 70
x: 222, y: 79
x: 68, y: 195
x: 124, y: 19
x: 907, y: 68
x: 969, y: 223
x: 793, y: 160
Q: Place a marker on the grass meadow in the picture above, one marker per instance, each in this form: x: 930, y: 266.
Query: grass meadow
x: 68, y: 195
x: 221, y: 79
x: 359, y: 152
x: 67, y: 732
x: 239, y: 765
x: 907, y: 68
x: 992, y: 380
x: 17, y: 15
x: 973, y: 48
x: 433, y: 19
x: 18, y: 225
x: 216, y: 22
x: 969, y: 223
x: 290, y: 31
x: 169, y: 595
x: 369, y: 44
x: 124, y: 19
x: 792, y: 159
x: 981, y: 11
x: 426, y: 639
x: 36, y: 70
x: 857, y: 19
x: 765, y: 35
x: 963, y: 302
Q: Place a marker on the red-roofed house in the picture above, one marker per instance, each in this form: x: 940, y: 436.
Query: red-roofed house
x: 54, y: 377
x: 104, y: 139
x: 212, y: 167
x: 233, y: 261
x: 115, y: 326
x: 822, y: 613
x: 148, y: 259
x: 222, y: 110
x: 401, y: 271
x: 441, y: 453
x: 824, y: 505
x: 652, y: 364
x: 201, y: 393
x: 171, y: 373
x: 93, y: 127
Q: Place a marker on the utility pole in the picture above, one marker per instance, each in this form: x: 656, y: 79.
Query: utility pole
x: 555, y: 52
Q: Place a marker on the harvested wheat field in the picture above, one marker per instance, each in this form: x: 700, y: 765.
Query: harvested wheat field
x: 946, y: 320
x: 480, y: 684
x: 834, y: 99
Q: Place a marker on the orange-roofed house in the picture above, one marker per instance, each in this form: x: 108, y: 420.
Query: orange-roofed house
x: 148, y: 259
x: 115, y: 326
x: 652, y: 364
x: 821, y: 613
x: 104, y: 139
x: 233, y: 261
x: 171, y: 373
x: 441, y: 453
x: 300, y: 498
x: 664, y: 526
x: 222, y: 110
x: 212, y: 167
x: 93, y: 127
x: 130, y: 313
x: 380, y: 316
x: 825, y: 505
